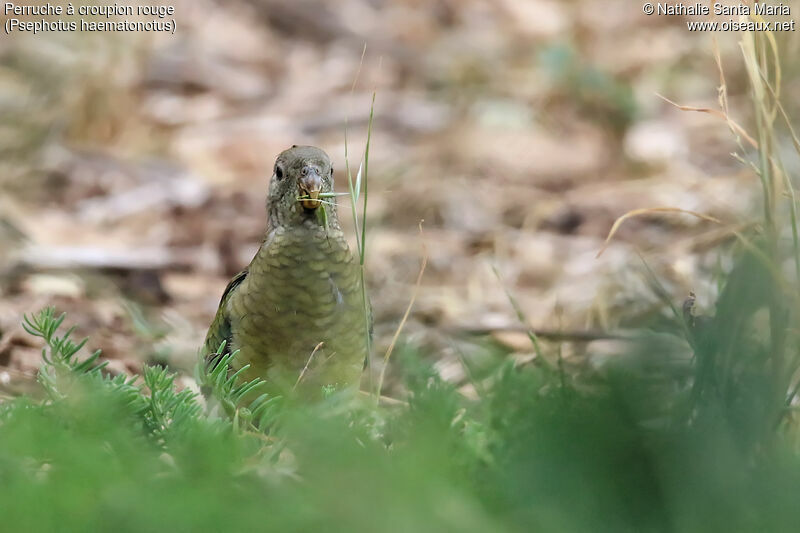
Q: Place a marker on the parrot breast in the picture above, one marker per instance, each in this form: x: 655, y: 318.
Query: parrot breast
x: 302, y: 296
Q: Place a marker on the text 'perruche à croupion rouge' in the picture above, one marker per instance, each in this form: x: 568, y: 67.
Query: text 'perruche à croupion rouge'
x: 113, y: 10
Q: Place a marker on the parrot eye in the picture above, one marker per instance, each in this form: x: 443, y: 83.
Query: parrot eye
x: 278, y: 172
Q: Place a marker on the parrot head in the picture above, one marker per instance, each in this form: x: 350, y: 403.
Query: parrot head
x: 300, y: 175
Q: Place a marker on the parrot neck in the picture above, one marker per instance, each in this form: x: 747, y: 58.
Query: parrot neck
x: 296, y: 216
x: 297, y: 243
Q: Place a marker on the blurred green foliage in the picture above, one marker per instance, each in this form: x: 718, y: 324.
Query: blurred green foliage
x: 643, y: 449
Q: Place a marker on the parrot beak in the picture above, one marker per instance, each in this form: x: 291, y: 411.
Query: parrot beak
x: 310, y: 185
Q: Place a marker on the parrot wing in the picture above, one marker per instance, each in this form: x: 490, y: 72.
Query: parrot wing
x: 220, y: 329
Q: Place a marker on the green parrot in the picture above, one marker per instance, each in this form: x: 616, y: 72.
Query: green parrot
x: 296, y: 313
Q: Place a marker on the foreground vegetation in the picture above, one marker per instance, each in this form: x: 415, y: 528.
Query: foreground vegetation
x: 660, y: 445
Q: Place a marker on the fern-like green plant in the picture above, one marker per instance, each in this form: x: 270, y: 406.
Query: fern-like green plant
x: 61, y: 366
x: 167, y: 409
x: 157, y: 402
x: 220, y: 382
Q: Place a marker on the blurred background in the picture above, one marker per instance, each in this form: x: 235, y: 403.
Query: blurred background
x: 134, y: 166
